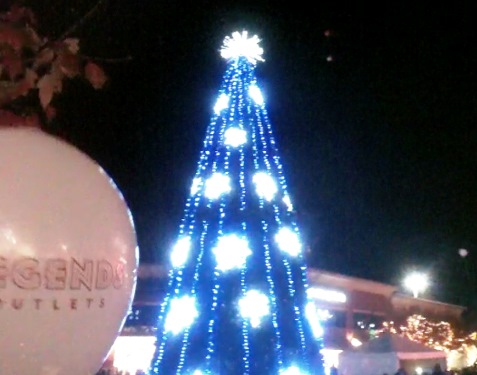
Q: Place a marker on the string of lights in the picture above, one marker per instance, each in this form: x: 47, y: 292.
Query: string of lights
x: 237, y: 300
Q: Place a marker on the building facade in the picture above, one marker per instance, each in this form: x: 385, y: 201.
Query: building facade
x: 350, y: 308
x: 356, y: 307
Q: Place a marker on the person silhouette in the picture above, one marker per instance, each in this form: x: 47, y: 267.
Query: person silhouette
x: 437, y: 370
x: 401, y: 371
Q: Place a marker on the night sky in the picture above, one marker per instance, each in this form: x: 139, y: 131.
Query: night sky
x: 374, y: 110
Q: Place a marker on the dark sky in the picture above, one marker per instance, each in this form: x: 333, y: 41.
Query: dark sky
x: 379, y: 145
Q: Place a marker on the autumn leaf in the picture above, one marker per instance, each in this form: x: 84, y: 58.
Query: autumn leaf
x: 44, y: 57
x: 12, y: 63
x: 95, y: 75
x: 18, y: 14
x: 50, y: 112
x: 24, y: 86
x: 33, y: 40
x: 6, y: 89
x: 72, y: 45
x: 10, y: 90
x: 69, y: 64
x: 33, y: 64
x: 9, y: 119
x: 12, y: 36
x: 48, y: 85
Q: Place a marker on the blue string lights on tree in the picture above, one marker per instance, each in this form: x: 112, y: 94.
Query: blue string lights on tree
x: 237, y: 295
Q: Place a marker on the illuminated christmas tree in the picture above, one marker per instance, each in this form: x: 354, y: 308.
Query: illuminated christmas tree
x: 237, y: 295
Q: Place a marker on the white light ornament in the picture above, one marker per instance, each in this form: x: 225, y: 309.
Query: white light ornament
x: 292, y: 370
x: 256, y: 94
x: 231, y: 252
x: 254, y: 306
x: 222, y: 103
x: 240, y: 45
x: 288, y: 241
x: 182, y: 313
x: 288, y: 203
x: 196, y: 183
x: 314, y: 320
x: 180, y: 252
x: 217, y: 185
x: 235, y: 137
x: 265, y: 185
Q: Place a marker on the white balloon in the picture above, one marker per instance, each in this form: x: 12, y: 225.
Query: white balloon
x: 68, y: 257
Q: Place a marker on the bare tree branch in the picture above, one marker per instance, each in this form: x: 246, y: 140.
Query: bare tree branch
x: 106, y: 59
x: 82, y: 20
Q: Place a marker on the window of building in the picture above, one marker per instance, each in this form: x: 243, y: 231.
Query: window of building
x: 142, y: 316
x: 367, y: 322
x: 335, y: 318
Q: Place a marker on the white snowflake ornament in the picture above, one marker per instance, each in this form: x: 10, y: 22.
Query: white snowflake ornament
x: 254, y: 306
x: 235, y: 137
x: 182, y: 313
x: 231, y: 252
x: 240, y: 45
x: 217, y: 185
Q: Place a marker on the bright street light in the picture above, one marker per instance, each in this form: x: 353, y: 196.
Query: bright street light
x: 416, y: 282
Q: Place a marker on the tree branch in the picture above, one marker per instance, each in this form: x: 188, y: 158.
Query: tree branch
x: 106, y: 59
x: 82, y: 20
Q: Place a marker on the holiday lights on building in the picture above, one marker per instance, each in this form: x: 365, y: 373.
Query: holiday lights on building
x: 438, y: 335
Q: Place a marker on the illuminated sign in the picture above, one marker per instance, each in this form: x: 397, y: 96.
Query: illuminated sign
x: 327, y: 295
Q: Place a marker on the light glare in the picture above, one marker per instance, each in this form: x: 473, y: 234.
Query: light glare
x: 217, y: 185
x: 254, y: 306
x: 235, y: 137
x: 231, y: 252
x: 133, y: 353
x: 180, y: 252
x: 328, y: 295
x: 222, y: 103
x: 240, y: 45
x: 293, y: 370
x: 196, y: 182
x: 265, y: 185
x: 416, y: 282
x: 256, y: 94
x: 182, y: 314
x: 288, y: 203
x: 313, y: 319
x: 288, y: 241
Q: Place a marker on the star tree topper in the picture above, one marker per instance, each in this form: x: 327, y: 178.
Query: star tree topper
x: 241, y: 45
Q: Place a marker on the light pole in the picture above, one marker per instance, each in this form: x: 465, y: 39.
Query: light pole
x: 416, y: 282
x: 468, y: 294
